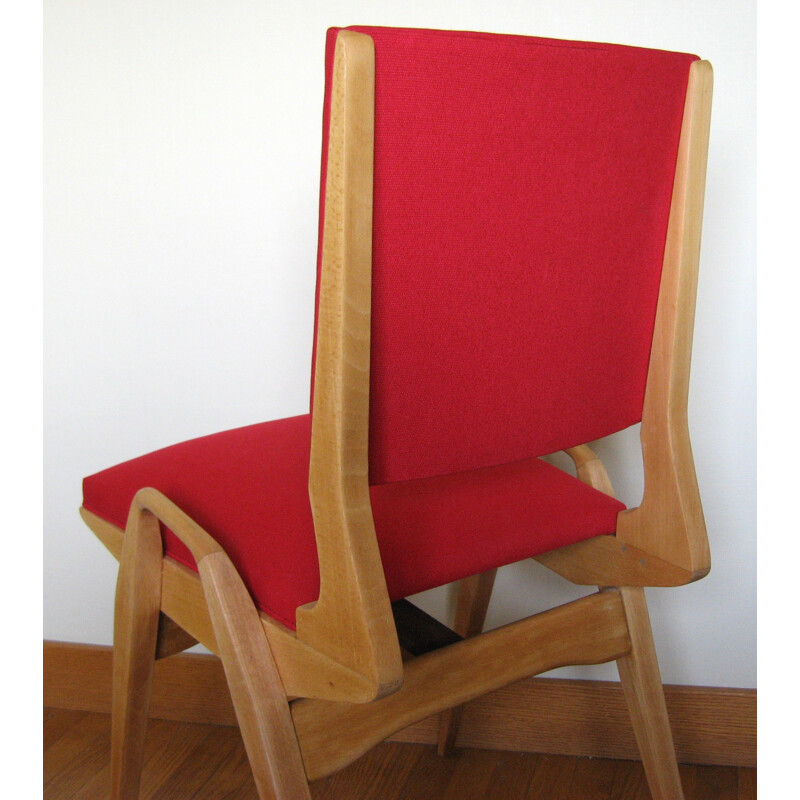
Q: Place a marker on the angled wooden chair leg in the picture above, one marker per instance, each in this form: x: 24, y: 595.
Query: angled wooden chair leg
x: 136, y: 617
x: 644, y: 693
x: 472, y: 604
x: 262, y: 708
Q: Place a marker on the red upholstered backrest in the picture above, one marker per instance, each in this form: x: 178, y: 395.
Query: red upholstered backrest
x: 521, y: 195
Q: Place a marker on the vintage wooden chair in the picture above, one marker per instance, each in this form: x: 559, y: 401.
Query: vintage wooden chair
x: 509, y: 246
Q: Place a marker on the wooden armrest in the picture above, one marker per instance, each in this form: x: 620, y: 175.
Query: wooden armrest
x: 632, y: 557
x: 200, y: 543
x: 590, y: 468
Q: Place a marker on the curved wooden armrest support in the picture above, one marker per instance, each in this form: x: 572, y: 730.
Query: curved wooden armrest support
x: 612, y: 560
x: 607, y: 560
x: 151, y: 501
x: 304, y: 671
x: 617, y: 560
x: 591, y: 469
x: 302, y: 668
x: 149, y: 507
x: 253, y: 677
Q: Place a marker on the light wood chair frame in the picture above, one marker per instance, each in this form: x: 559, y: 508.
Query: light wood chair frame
x: 343, y: 668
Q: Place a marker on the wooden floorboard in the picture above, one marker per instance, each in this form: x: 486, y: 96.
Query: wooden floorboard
x: 191, y: 761
x: 552, y: 779
x: 537, y: 715
x: 630, y: 782
x: 430, y: 776
x: 473, y: 775
x: 512, y: 776
x: 747, y: 784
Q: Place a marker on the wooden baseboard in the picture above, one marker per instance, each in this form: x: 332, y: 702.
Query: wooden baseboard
x: 540, y: 715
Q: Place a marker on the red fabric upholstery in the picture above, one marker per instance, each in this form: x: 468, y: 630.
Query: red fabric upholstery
x: 522, y: 190
x: 249, y: 489
x: 521, y: 196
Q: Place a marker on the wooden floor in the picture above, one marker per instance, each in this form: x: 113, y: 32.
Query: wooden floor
x: 206, y: 762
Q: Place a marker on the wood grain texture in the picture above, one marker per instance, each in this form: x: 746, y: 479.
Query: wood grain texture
x: 512, y: 775
x: 589, y: 631
x: 472, y: 776
x: 552, y: 779
x: 207, y: 762
x: 168, y: 747
x: 704, y: 781
x: 590, y: 469
x: 593, y: 780
x: 261, y: 705
x: 72, y: 753
x: 386, y: 772
x: 226, y: 774
x: 262, y: 708
x: 57, y: 722
x: 747, y: 784
x: 429, y: 777
x: 548, y: 715
x: 346, y: 649
x: 346, y: 644
x: 189, y: 687
x: 198, y: 769
x: 610, y: 561
x: 644, y: 693
x: 136, y: 621
x: 304, y: 671
x: 669, y: 523
x: 590, y: 718
x: 607, y: 560
x: 472, y: 603
x: 663, y: 542
x: 352, y: 620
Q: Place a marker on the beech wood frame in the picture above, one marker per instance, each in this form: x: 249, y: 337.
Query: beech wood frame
x: 343, y: 666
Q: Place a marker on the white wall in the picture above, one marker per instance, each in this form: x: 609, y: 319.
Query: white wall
x: 182, y: 143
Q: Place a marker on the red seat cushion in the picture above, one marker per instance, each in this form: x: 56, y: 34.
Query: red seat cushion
x: 249, y: 489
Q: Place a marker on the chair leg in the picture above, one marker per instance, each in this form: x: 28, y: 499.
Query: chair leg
x: 136, y: 615
x: 644, y: 693
x: 472, y: 604
x: 261, y: 705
